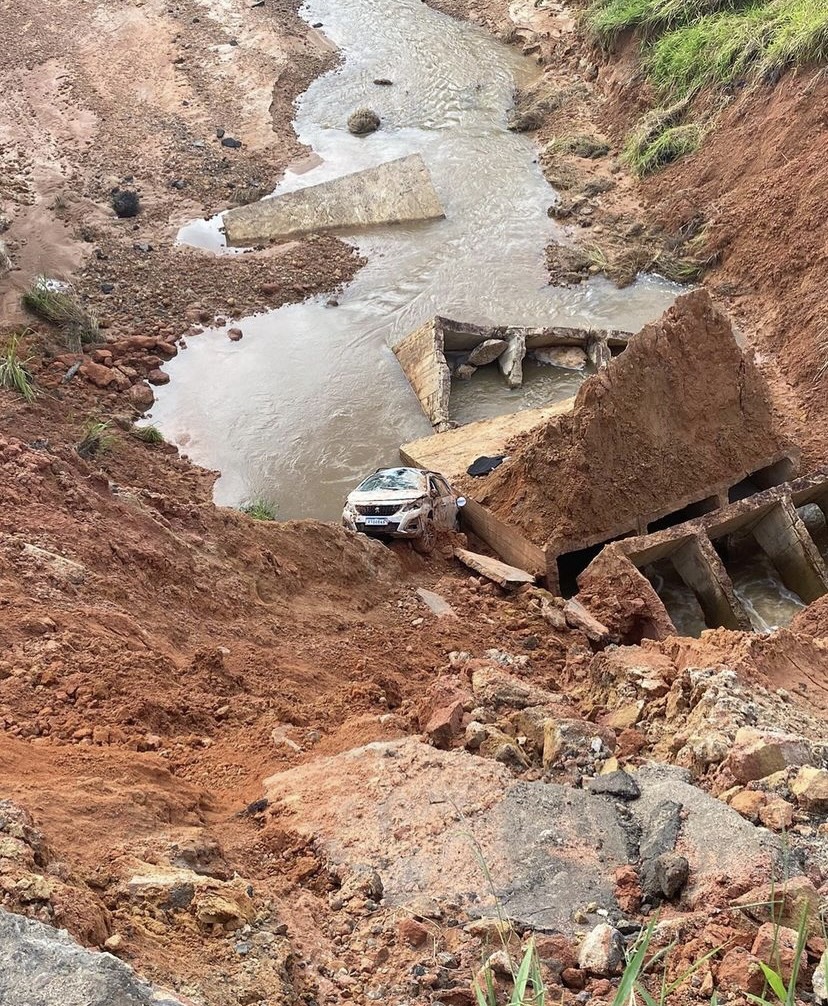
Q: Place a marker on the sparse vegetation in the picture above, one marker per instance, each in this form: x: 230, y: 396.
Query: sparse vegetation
x: 259, y: 509
x: 59, y: 306
x: 581, y: 145
x: 14, y: 374
x: 528, y: 987
x: 693, y: 44
x: 97, y: 439
x: 659, y: 138
x: 148, y: 434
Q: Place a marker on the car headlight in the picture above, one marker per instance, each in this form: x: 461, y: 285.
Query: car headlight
x: 350, y: 511
x: 414, y: 505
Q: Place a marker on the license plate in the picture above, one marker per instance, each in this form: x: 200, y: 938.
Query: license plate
x: 376, y: 521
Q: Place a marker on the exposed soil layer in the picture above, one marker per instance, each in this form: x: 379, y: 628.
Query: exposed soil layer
x: 681, y: 411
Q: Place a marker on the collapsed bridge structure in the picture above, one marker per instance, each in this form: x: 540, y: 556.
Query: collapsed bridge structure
x: 672, y: 445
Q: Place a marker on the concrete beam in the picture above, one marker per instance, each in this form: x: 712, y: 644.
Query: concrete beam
x: 785, y: 540
x: 698, y: 565
x: 396, y: 192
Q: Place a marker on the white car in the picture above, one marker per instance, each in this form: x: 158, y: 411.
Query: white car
x: 403, y: 503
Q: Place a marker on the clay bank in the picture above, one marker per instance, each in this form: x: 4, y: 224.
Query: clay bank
x: 312, y: 396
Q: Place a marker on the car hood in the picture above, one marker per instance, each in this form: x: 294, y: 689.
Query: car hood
x: 386, y: 496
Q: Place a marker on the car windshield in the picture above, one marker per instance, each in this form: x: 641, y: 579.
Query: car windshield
x: 392, y: 479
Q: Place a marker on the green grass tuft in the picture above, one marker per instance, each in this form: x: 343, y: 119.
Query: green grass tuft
x: 62, y: 308
x: 259, y: 509
x: 693, y: 44
x: 148, y: 434
x: 646, y: 152
x: 97, y: 439
x: 14, y: 374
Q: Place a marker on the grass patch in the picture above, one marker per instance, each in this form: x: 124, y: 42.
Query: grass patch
x: 647, y: 150
x: 259, y: 510
x: 14, y: 374
x: 61, y: 307
x: 693, y: 44
x: 148, y: 434
x: 97, y: 439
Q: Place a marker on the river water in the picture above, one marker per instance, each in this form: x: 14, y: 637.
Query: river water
x: 312, y: 398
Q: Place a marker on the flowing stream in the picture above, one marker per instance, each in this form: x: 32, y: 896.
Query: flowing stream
x: 312, y: 398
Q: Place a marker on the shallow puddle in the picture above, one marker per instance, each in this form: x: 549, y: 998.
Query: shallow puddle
x: 313, y: 397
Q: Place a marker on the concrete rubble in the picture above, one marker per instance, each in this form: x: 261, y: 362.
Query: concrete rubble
x: 395, y: 192
x: 425, y: 352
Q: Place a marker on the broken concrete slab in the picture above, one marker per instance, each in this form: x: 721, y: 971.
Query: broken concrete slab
x: 422, y: 818
x: 487, y: 352
x: 44, y: 966
x: 720, y: 845
x: 415, y: 814
x: 508, y: 577
x: 510, y: 360
x: 435, y: 603
x: 395, y: 192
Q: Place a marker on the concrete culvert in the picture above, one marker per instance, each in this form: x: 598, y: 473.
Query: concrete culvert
x: 363, y: 121
x: 125, y: 203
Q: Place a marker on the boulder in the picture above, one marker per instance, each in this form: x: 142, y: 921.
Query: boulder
x: 618, y: 784
x: 810, y: 787
x: 445, y: 724
x: 756, y: 754
x: 97, y: 374
x: 776, y: 946
x: 141, y: 396
x: 574, y: 738
x: 566, y: 357
x: 363, y: 121
x: 499, y: 689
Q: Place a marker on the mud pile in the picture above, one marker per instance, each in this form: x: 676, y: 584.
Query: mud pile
x: 681, y: 411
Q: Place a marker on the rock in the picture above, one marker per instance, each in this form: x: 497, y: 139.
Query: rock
x: 501, y: 573
x: 414, y: 933
x: 504, y: 749
x: 445, y: 724
x: 43, y: 966
x: 660, y: 830
x: 476, y: 733
x: 97, y: 374
x: 672, y: 872
x: 777, y: 814
x: 158, y: 377
x: 231, y: 142
x: 625, y: 716
x: 579, y: 618
x: 572, y: 738
x: 619, y: 784
x: 819, y: 982
x: 567, y: 357
x: 465, y: 372
x: 496, y: 688
x: 235, y: 334
x: 602, y: 952
x: 573, y: 978
x: 363, y: 121
x: 810, y: 787
x: 383, y: 82
x: 125, y: 203
x: 776, y: 946
x: 756, y: 754
x: 510, y: 361
x: 141, y: 396
x: 784, y: 903
x: 749, y: 803
x: 436, y: 603
x: 739, y: 972
x: 487, y: 352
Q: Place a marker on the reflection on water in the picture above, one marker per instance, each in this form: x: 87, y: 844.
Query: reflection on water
x: 313, y: 397
x: 681, y: 603
x: 768, y: 602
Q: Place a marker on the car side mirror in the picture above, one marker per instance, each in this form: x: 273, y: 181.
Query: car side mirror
x: 461, y: 500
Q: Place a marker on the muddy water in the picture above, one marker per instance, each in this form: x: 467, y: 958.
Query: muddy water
x: 313, y: 396
x: 768, y: 602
